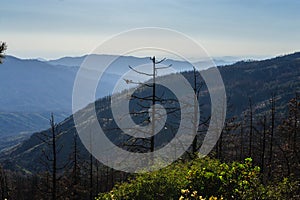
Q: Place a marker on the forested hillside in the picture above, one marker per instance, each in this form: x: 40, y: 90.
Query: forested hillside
x: 262, y: 125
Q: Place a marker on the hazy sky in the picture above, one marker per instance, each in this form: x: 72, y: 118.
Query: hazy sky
x: 56, y: 28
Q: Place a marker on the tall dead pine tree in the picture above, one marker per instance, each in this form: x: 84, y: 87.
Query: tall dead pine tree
x: 54, y: 153
x: 153, y: 98
x: 49, y: 159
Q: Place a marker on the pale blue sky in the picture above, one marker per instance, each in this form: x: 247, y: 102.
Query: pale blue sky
x: 56, y: 28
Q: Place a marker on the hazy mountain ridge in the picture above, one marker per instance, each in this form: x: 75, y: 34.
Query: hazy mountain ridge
x: 33, y: 88
x: 77, y: 61
x: 255, y: 79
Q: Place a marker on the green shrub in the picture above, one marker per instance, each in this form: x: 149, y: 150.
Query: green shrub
x: 201, y: 179
x: 230, y: 181
x: 286, y: 189
x: 162, y: 184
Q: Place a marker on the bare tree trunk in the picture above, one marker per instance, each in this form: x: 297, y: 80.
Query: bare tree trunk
x: 54, y: 166
x: 91, y: 177
x: 263, y: 146
x: 194, y: 147
x: 97, y: 177
x: 220, y: 146
x: 154, y: 99
x: 242, y: 142
x: 107, y: 178
x: 153, y: 106
x: 112, y: 178
x: 251, y: 128
x: 50, y: 158
x: 272, y: 136
x: 3, y: 184
x: 296, y: 113
x: 75, y: 168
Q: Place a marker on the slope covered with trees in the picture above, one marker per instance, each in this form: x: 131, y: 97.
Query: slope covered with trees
x: 262, y: 125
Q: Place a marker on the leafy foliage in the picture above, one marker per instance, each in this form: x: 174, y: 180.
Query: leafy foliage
x: 162, y: 184
x: 232, y: 181
x: 201, y: 179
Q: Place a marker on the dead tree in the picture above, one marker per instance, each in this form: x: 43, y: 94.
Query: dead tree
x: 153, y: 98
x: 75, y: 181
x: 195, y: 128
x: 91, y: 177
x: 295, y: 111
x: 202, y: 123
x: 54, y: 161
x: 4, y: 190
x: 242, y: 141
x: 91, y: 167
x: 273, y: 107
x: 75, y: 157
x: 288, y: 139
x: 3, y: 47
x: 50, y: 156
x: 263, y: 141
x: 250, y: 127
x: 264, y: 144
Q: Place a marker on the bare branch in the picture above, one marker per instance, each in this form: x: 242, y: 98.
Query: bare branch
x: 139, y: 72
x: 164, y: 67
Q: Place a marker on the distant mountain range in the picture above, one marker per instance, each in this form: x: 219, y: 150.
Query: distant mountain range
x: 32, y: 89
x: 257, y: 80
x: 77, y: 61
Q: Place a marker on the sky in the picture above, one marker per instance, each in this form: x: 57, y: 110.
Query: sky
x: 55, y: 28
